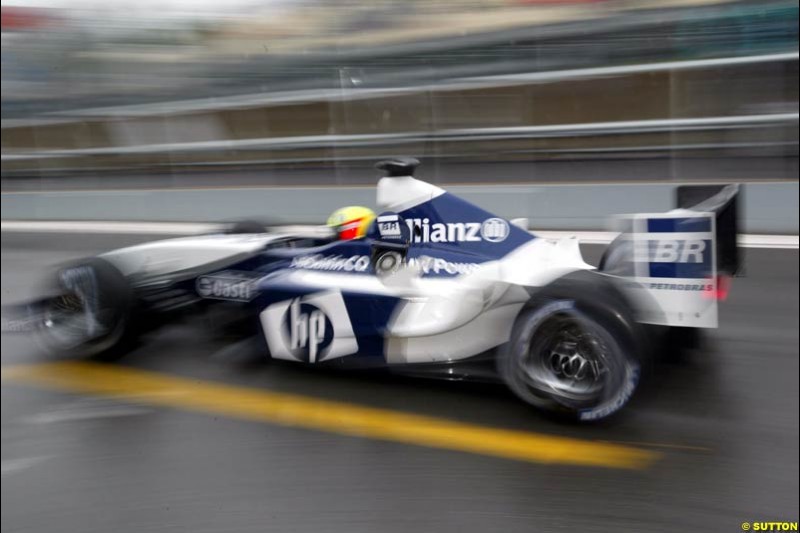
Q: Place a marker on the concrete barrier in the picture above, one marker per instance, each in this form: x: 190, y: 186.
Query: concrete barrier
x: 767, y: 207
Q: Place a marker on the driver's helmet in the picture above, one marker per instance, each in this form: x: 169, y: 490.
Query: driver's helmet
x: 351, y: 222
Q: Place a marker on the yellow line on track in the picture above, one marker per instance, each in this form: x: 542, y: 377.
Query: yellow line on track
x: 144, y: 387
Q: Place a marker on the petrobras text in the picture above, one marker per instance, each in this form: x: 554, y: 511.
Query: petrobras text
x: 333, y: 263
x: 707, y: 287
x: 490, y: 230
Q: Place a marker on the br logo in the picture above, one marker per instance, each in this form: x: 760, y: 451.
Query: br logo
x: 673, y: 250
x: 308, y: 329
x: 312, y: 328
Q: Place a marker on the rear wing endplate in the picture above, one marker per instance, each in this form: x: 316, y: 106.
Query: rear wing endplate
x: 678, y: 264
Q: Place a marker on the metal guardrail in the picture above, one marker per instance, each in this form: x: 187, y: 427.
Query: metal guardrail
x: 352, y: 93
x: 450, y: 135
x: 112, y: 138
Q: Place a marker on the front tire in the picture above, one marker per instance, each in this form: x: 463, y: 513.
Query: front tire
x: 573, y: 356
x: 91, y: 315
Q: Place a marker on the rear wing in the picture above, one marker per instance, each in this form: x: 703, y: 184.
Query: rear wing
x: 723, y: 202
x: 678, y: 264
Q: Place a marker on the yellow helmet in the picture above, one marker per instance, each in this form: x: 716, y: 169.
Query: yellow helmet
x: 351, y: 222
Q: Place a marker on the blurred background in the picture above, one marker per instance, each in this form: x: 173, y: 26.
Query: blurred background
x: 312, y: 92
x: 561, y: 111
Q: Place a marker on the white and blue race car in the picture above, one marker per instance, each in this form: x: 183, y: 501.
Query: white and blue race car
x: 438, y: 287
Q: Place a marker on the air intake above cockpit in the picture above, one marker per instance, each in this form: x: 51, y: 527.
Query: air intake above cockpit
x: 398, y: 166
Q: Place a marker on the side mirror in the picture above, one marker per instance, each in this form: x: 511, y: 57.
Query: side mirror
x: 521, y: 223
x: 390, y: 241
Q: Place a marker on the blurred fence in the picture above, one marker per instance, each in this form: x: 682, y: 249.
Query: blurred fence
x: 736, y: 107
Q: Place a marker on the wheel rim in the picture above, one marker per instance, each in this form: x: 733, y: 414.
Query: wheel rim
x: 75, y: 317
x: 66, y: 322
x: 569, y: 361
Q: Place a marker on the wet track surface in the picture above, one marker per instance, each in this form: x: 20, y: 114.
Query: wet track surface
x: 720, y: 427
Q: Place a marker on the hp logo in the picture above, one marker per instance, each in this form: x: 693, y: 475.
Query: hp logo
x: 313, y: 328
x: 310, y: 331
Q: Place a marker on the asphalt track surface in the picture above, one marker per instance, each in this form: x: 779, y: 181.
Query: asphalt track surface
x: 616, y: 168
x: 197, y: 442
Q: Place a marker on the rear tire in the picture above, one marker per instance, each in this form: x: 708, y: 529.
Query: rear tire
x: 91, y: 315
x: 575, y: 350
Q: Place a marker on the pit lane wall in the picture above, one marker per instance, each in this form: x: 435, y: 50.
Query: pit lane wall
x: 770, y: 208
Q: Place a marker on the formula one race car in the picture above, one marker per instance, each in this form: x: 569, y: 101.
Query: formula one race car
x: 436, y: 286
